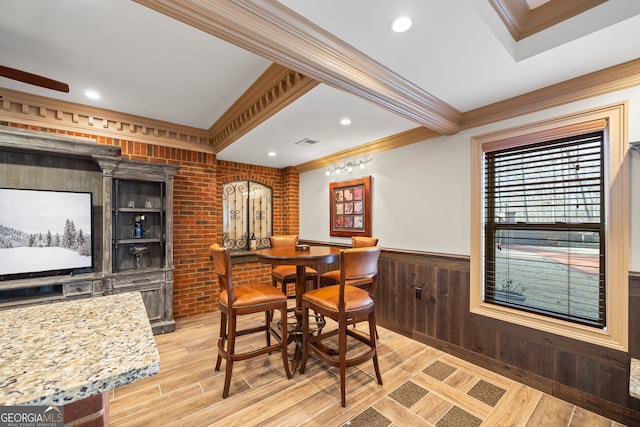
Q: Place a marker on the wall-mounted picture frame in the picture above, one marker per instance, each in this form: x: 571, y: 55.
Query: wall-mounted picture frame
x: 350, y: 207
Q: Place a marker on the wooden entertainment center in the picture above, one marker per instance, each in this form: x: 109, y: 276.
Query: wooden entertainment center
x: 132, y: 220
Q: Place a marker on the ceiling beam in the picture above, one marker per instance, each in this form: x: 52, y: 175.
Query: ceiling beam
x: 275, y: 32
x: 612, y: 79
x: 276, y: 88
x: 33, y: 110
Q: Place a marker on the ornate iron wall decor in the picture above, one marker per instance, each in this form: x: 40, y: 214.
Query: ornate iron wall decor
x: 247, y: 208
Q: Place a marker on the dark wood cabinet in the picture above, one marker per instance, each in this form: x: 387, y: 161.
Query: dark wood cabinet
x: 139, y: 221
x: 132, y: 220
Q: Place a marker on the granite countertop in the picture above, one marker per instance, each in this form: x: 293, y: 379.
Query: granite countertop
x: 55, y: 354
x: 634, y: 378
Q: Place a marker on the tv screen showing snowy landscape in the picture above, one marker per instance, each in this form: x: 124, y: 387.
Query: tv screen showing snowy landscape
x: 44, y: 233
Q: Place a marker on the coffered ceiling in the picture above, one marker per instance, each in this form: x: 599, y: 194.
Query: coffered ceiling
x: 208, y: 65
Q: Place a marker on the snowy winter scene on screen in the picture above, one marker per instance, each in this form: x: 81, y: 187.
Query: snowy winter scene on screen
x: 44, y: 232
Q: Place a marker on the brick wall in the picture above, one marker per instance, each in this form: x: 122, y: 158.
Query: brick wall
x: 290, y: 201
x: 198, y: 215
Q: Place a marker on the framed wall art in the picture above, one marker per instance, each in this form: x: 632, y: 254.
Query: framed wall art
x: 350, y: 207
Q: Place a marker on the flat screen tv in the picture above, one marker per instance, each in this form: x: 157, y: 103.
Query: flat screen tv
x: 44, y: 233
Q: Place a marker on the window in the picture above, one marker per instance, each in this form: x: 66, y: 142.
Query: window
x: 550, y: 226
x: 544, y: 228
x: 247, y: 209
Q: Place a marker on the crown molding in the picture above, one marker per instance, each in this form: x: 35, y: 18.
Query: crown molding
x: 271, y: 30
x: 600, y: 82
x: 45, y: 112
x: 40, y: 111
x: 276, y: 88
x: 523, y: 22
x: 34, y: 110
x: 398, y: 140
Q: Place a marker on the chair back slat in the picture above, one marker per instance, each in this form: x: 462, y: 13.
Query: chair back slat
x: 284, y: 241
x: 222, y: 268
x: 359, y: 263
x: 363, y: 242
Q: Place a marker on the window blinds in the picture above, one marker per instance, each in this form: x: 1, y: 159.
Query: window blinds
x: 544, y: 228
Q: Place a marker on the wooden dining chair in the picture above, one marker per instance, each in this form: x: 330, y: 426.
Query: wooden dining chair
x: 285, y: 274
x: 332, y: 277
x: 347, y: 305
x: 240, y: 300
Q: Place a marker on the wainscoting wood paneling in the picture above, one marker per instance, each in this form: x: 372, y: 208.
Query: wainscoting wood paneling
x: 585, y: 374
x: 634, y: 315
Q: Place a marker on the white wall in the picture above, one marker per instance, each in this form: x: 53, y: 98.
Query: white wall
x: 421, y: 192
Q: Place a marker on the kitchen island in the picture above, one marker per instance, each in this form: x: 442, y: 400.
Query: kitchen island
x: 74, y: 352
x: 634, y: 378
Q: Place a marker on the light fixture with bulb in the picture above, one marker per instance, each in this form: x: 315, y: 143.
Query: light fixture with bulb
x: 347, y: 166
x: 91, y: 94
x: 402, y: 24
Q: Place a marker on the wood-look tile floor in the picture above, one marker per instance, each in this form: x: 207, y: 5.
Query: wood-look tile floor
x: 422, y: 387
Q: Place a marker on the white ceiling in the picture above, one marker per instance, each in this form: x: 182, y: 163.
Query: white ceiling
x: 147, y: 64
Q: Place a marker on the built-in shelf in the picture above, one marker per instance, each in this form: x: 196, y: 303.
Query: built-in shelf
x: 125, y: 193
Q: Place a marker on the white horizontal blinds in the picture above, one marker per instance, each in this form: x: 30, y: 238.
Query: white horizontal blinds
x: 544, y: 228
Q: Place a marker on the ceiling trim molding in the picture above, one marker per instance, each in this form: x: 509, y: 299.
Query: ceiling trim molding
x: 523, y: 22
x: 272, y: 31
x: 600, y: 82
x: 34, y: 110
x: 398, y: 140
x: 276, y: 88
x: 41, y: 111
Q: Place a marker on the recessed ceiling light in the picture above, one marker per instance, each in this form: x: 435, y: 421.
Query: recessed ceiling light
x: 92, y: 94
x: 345, y: 122
x: 401, y: 24
x: 272, y: 153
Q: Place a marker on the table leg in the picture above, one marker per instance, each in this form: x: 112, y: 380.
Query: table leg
x: 301, y: 287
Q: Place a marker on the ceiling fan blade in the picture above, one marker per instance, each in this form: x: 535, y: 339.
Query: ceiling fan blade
x: 33, y: 79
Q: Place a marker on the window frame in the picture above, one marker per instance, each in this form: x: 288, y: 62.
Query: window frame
x: 262, y: 238
x: 615, y: 335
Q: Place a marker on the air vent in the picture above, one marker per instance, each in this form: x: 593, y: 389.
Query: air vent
x: 306, y: 142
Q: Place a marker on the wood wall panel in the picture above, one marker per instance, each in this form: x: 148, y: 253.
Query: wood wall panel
x: 594, y: 377
x: 634, y: 315
x: 389, y: 303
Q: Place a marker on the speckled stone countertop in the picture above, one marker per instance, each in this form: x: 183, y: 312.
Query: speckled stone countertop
x: 634, y: 378
x: 55, y: 354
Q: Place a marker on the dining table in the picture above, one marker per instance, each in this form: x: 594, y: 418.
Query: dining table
x: 301, y: 258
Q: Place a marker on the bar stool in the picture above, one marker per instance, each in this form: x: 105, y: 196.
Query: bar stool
x: 347, y: 305
x: 240, y: 300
